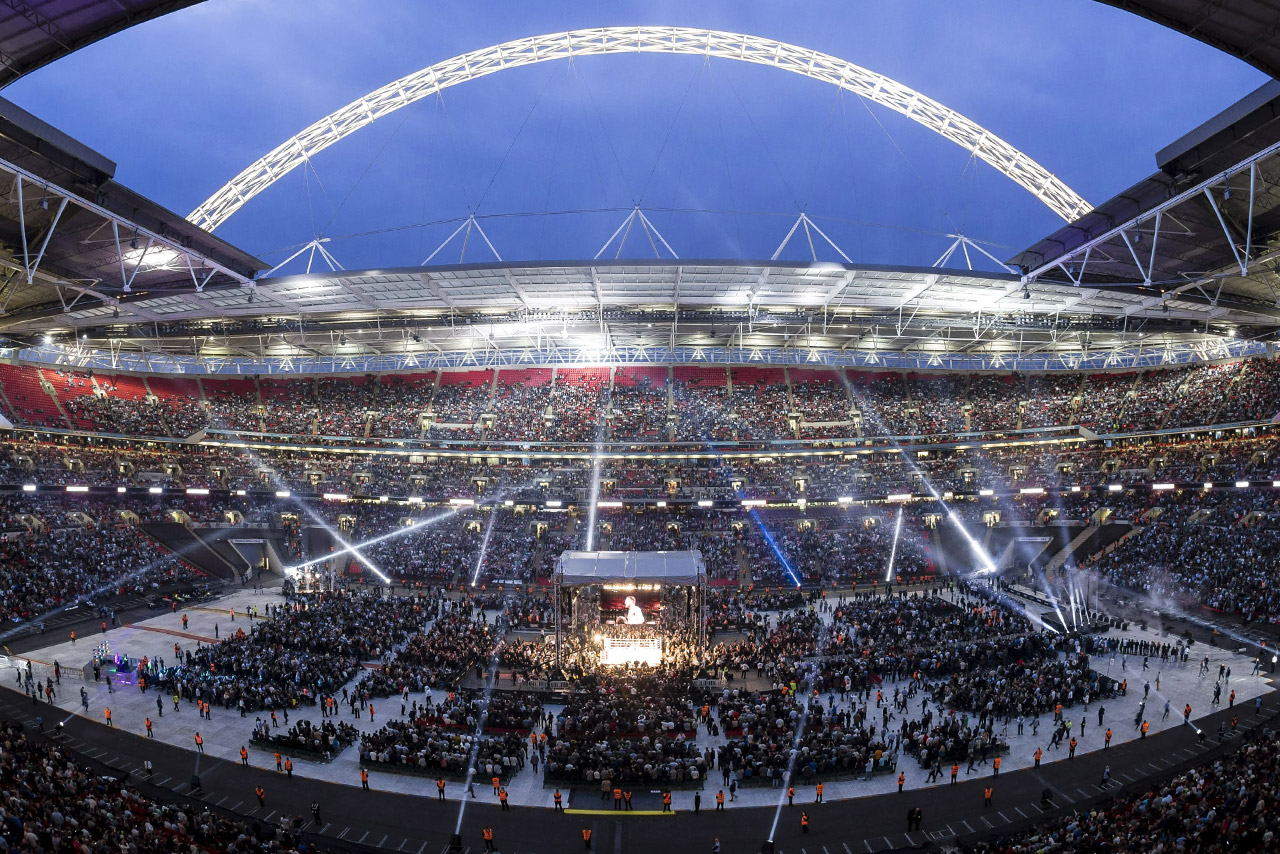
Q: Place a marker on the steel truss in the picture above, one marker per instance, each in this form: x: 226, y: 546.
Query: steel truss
x: 1128, y: 254
x: 889, y: 93
x: 136, y: 249
x: 1121, y: 358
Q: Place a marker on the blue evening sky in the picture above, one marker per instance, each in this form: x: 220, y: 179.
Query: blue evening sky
x: 183, y: 103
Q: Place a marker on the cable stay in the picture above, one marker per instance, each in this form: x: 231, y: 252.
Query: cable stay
x: 312, y: 247
x: 809, y: 228
x: 623, y: 231
x: 964, y: 244
x: 468, y: 225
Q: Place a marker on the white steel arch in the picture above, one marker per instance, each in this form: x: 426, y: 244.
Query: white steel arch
x: 970, y: 136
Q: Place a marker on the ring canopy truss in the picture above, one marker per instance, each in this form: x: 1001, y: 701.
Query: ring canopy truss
x: 980, y: 142
x: 642, y: 312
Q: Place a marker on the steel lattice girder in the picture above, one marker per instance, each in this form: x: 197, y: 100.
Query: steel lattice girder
x: 1120, y: 358
x: 882, y: 90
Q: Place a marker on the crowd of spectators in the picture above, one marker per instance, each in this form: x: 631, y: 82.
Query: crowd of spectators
x: 310, y: 649
x: 43, y: 569
x: 747, y: 404
x: 50, y: 802
x: 327, y: 739
x: 1225, y: 806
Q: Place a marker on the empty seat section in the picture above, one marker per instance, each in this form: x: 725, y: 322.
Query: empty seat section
x: 32, y: 404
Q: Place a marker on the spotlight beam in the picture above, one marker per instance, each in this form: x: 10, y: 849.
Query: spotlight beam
x: 893, y: 551
x: 399, y: 532
x: 484, y: 547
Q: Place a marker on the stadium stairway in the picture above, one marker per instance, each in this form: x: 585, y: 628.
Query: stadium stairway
x: 183, y: 541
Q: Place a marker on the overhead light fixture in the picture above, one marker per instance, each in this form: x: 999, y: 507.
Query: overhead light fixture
x: 44, y: 203
x: 1162, y: 487
x: 153, y: 258
x: 77, y: 489
x: 133, y: 242
x: 28, y: 487
x: 705, y: 503
x: 986, y: 493
x: 155, y: 490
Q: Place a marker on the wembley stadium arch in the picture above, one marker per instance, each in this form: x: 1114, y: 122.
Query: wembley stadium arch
x: 601, y: 41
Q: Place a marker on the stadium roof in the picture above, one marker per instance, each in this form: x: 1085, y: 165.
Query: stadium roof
x: 1247, y: 29
x: 1205, y: 228
x: 578, y: 568
x: 71, y: 235
x: 34, y: 33
x: 620, y: 311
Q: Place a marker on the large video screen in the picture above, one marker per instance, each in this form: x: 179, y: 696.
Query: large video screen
x: 630, y: 607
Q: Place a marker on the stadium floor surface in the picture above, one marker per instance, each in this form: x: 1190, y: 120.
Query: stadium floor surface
x: 356, y: 820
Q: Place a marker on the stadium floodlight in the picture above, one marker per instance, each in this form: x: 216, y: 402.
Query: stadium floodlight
x: 197, y: 490
x: 77, y: 489
x: 283, y: 493
x: 28, y: 487
x: 1242, y: 484
x: 1031, y: 490
x: 155, y: 490
x: 1161, y: 487
x: 1115, y: 487
x: 705, y: 502
x: 986, y: 493
x: 459, y: 502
